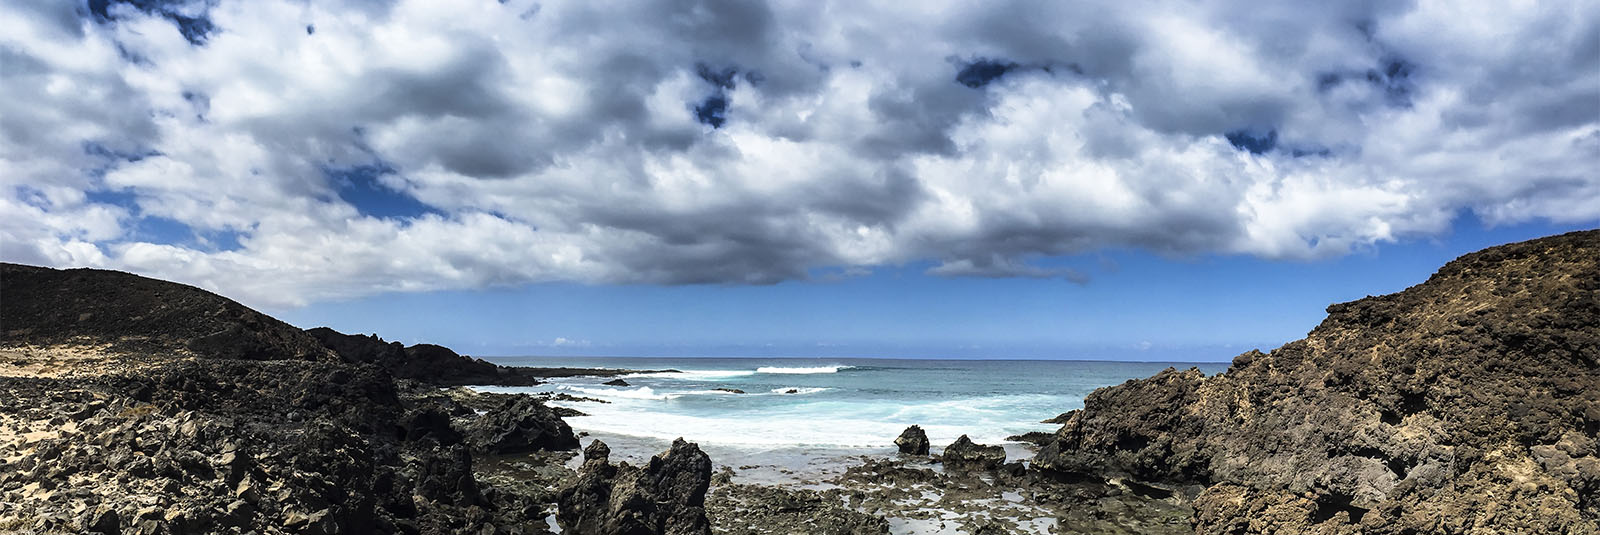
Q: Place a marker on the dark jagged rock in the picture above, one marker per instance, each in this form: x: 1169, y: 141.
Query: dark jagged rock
x: 423, y: 362
x: 729, y: 390
x: 264, y: 446
x: 1467, y: 403
x: 520, y: 424
x: 616, y: 382
x: 1033, y: 437
x: 666, y: 497
x: 912, y: 441
x: 45, y: 306
x: 964, y: 454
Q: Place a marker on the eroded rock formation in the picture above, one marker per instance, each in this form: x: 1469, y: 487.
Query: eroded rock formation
x: 912, y: 441
x: 964, y: 454
x: 666, y: 496
x: 1468, y: 403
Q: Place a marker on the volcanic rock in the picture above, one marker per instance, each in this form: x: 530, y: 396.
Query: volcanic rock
x: 129, y: 313
x: 912, y: 441
x: 666, y: 497
x: 616, y: 382
x: 1467, y: 403
x: 964, y: 454
x: 520, y: 424
x: 188, y: 413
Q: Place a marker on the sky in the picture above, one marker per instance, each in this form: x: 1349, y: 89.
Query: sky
x: 1181, y: 180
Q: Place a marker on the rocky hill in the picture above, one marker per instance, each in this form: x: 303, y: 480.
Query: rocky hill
x: 126, y: 313
x: 1469, y: 403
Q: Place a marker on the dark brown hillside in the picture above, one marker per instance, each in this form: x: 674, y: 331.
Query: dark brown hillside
x: 43, y: 307
x: 1466, y: 404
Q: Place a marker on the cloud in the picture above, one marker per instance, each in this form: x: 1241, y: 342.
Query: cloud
x: 567, y: 342
x: 285, y: 152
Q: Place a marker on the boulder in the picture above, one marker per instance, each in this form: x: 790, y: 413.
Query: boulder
x: 616, y: 382
x: 430, y: 422
x: 665, y: 497
x: 964, y: 454
x: 912, y: 441
x: 519, y: 425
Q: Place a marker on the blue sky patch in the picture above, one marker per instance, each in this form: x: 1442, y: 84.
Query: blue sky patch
x: 360, y: 186
x: 713, y: 110
x: 981, y: 71
x: 1247, y: 140
x: 195, y: 28
x: 721, y: 78
x: 1393, y: 77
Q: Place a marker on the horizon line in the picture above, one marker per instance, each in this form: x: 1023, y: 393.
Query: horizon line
x: 1229, y: 361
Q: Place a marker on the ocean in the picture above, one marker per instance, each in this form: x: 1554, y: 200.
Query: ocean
x: 805, y: 412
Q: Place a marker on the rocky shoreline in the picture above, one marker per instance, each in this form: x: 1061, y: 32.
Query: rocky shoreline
x: 1467, y: 404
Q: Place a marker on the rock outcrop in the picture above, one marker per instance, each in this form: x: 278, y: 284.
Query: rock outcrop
x: 520, y: 424
x: 421, y: 362
x: 964, y: 454
x: 665, y: 497
x: 1466, y: 404
x: 912, y: 441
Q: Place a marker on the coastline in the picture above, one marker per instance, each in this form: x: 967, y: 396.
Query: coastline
x: 1466, y: 403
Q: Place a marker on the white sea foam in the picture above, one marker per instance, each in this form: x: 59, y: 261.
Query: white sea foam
x: 643, y: 392
x: 818, y: 424
x: 676, y: 395
x: 807, y: 370
x: 798, y: 390
x: 702, y: 375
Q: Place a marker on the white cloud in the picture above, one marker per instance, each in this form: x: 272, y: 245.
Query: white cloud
x: 559, y: 141
x: 568, y: 342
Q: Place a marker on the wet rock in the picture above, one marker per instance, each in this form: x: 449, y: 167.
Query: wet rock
x: 756, y: 509
x: 1033, y: 437
x: 964, y: 454
x: 616, y: 382
x: 912, y: 441
x: 667, y: 496
x: 729, y: 390
x: 722, y: 476
x: 520, y: 424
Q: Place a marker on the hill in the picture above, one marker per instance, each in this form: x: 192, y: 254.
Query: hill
x: 130, y: 314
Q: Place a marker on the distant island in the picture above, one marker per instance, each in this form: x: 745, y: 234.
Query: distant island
x: 1469, y: 403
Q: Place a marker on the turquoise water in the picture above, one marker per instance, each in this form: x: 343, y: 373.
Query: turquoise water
x: 834, y: 404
